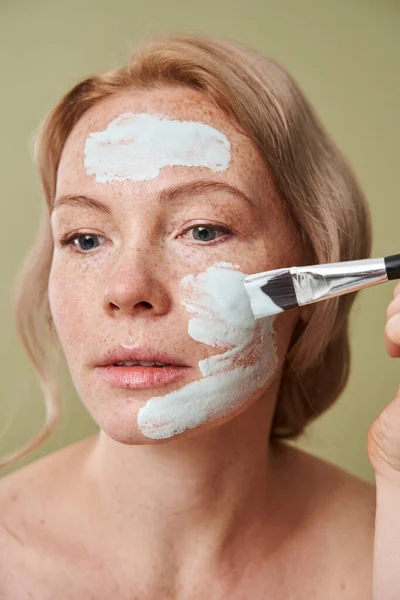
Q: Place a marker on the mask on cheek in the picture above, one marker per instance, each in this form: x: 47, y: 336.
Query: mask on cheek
x: 222, y: 318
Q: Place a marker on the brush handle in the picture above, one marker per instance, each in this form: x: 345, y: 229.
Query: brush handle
x: 392, y: 265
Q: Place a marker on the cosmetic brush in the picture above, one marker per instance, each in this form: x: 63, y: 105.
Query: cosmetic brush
x: 273, y: 292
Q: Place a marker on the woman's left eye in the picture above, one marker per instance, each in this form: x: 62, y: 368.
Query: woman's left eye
x: 207, y: 233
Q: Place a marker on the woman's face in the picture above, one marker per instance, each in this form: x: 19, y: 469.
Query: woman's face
x: 189, y: 209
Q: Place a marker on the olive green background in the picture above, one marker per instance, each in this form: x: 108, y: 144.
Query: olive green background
x: 346, y: 56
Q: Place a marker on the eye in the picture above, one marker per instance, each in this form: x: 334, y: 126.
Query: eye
x: 207, y: 233
x: 85, y: 238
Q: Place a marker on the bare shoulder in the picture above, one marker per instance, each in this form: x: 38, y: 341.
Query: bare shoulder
x: 29, y: 500
x: 27, y: 487
x: 332, y: 489
x: 26, y: 492
x: 343, y: 497
x: 340, y: 525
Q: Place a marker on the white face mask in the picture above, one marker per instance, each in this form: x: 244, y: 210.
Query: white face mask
x: 223, y: 319
x: 138, y: 146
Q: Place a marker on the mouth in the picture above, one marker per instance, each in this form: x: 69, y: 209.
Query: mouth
x: 140, y: 363
x: 141, y: 376
x: 140, y: 368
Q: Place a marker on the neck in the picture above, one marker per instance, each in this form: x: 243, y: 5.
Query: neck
x: 204, y: 494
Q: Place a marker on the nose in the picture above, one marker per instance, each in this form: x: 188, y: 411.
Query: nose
x: 136, y: 285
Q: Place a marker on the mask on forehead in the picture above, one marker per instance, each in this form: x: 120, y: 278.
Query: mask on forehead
x: 138, y: 146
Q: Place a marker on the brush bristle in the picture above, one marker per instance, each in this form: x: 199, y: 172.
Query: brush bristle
x: 281, y: 291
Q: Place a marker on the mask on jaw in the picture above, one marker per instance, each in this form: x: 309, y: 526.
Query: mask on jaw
x: 222, y: 319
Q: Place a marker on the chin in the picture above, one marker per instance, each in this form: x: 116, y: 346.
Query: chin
x: 124, y: 433
x: 120, y: 422
x: 125, y: 430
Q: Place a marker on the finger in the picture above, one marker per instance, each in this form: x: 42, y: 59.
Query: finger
x: 392, y: 349
x: 392, y: 336
x: 383, y: 442
x: 396, y: 290
x: 394, y: 307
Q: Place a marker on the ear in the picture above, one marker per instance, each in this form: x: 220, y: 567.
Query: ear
x: 305, y: 312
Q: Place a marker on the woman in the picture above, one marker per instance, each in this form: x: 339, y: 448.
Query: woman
x: 166, y: 182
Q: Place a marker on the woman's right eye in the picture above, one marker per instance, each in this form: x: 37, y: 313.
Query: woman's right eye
x: 85, y: 241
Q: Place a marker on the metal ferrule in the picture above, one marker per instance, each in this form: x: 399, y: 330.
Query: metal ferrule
x: 322, y: 281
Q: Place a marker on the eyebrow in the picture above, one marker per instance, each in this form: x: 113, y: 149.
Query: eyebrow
x: 166, y: 195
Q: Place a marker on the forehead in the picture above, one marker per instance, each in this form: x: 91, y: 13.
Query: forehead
x: 246, y: 169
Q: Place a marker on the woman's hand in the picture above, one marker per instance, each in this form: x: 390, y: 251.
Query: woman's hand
x: 384, y: 434
x: 383, y: 448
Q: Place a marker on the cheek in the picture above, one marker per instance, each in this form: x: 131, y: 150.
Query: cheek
x: 57, y: 300
x: 67, y: 307
x: 249, y: 253
x: 284, y: 327
x: 230, y: 382
x: 222, y: 318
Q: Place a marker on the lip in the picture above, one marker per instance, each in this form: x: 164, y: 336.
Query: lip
x: 140, y: 378
x: 142, y: 354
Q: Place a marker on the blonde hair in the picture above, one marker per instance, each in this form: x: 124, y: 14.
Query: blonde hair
x: 311, y: 176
